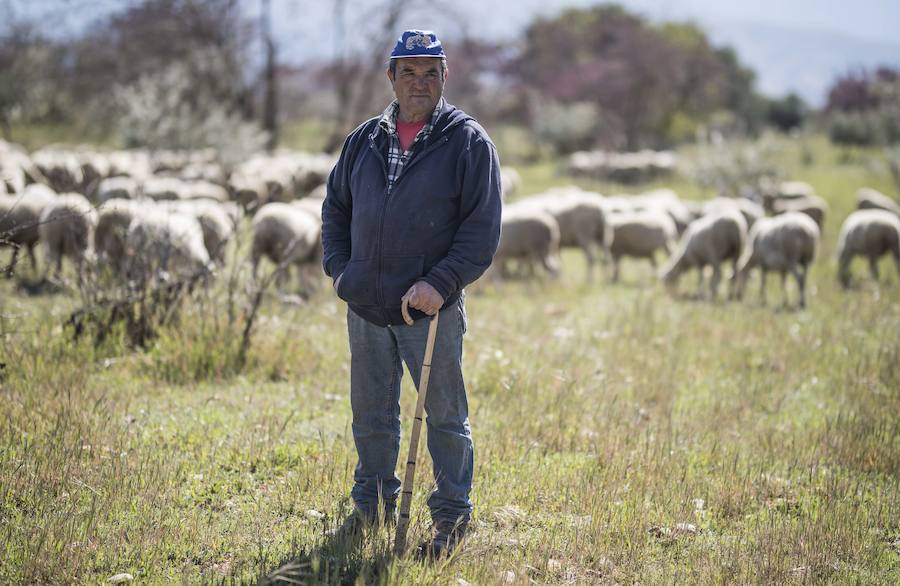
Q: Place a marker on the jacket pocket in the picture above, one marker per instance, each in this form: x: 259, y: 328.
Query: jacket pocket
x: 398, y: 274
x: 358, y: 282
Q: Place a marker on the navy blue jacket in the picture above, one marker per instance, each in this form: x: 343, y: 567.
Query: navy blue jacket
x: 440, y: 222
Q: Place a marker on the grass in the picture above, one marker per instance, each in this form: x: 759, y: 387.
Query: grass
x: 604, y: 417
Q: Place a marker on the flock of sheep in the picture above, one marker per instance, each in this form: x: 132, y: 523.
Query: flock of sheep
x: 781, y: 234
x: 138, y: 215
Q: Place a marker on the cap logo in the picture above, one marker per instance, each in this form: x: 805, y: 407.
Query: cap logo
x: 417, y: 41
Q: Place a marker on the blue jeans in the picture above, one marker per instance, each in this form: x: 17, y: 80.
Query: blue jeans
x: 375, y: 372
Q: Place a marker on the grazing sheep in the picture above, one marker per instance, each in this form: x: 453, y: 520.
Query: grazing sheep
x: 638, y: 234
x: 164, y: 188
x: 751, y: 211
x: 580, y: 216
x: 528, y: 235
x: 868, y: 199
x: 67, y: 229
x: 114, y: 217
x: 667, y: 201
x: 870, y: 233
x: 813, y: 206
x: 785, y: 243
x: 710, y: 240
x: 215, y: 222
x: 287, y: 235
x: 163, y: 244
x: 787, y: 190
x: 121, y: 187
x: 310, y: 205
x: 19, y: 220
x: 510, y: 182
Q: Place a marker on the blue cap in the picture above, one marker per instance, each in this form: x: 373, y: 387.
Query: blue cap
x: 416, y: 43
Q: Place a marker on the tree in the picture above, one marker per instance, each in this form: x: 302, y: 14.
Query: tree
x: 644, y: 79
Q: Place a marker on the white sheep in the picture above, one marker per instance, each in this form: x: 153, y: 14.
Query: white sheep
x: 581, y: 218
x: 786, y: 243
x: 286, y: 235
x: 640, y: 235
x: 870, y: 233
x: 529, y: 236
x: 217, y: 225
x: 510, y: 182
x: 114, y: 217
x: 164, y: 244
x: 868, y: 198
x: 20, y: 217
x: 67, y: 229
x: 751, y: 210
x: 121, y: 187
x: 708, y: 241
x: 813, y: 206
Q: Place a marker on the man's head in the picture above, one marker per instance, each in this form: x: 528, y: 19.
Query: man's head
x: 417, y: 70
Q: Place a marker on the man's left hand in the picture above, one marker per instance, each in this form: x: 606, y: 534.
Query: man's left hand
x: 424, y: 297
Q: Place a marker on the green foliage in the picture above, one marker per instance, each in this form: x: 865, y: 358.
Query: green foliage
x: 787, y: 113
x: 647, y: 80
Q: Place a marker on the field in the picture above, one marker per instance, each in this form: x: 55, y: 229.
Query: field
x: 622, y: 436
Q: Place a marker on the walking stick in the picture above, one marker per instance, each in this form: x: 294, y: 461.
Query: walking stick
x: 408, y: 478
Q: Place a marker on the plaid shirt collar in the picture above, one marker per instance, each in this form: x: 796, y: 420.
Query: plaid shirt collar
x: 388, y: 121
x: 396, y: 156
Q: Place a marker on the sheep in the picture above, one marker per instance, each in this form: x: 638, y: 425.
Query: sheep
x: 668, y: 201
x: 121, y: 187
x: 287, y: 235
x: 813, y: 206
x: 786, y: 190
x: 166, y: 244
x: 580, y: 216
x: 710, y: 240
x: 19, y: 220
x: 510, y: 182
x: 784, y: 243
x: 217, y: 226
x: 870, y: 233
x: 638, y: 234
x: 310, y: 205
x: 867, y: 199
x: 528, y: 235
x: 67, y: 229
x: 114, y: 217
x: 164, y: 188
x: 751, y: 211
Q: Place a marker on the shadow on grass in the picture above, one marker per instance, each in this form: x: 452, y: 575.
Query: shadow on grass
x: 333, y: 561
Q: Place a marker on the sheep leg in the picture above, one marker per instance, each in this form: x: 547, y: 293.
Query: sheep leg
x: 700, y: 279
x: 784, y: 292
x: 31, y: 255
x: 11, y: 267
x: 844, y: 270
x: 615, y: 275
x: 763, y: 273
x: 714, y: 282
x: 800, y: 275
x: 591, y: 258
x: 873, y: 267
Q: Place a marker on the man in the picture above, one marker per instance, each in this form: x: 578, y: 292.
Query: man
x: 412, y: 211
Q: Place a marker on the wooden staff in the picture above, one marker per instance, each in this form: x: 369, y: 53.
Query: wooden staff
x: 409, y: 477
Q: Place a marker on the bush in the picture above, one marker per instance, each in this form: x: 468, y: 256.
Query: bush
x: 567, y: 128
x: 168, y: 110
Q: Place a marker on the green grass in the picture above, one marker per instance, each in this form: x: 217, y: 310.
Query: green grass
x: 602, y: 416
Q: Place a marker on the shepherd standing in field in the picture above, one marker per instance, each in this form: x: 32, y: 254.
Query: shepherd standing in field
x: 412, y: 212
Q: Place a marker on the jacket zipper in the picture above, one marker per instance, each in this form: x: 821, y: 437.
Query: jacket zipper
x: 387, y: 194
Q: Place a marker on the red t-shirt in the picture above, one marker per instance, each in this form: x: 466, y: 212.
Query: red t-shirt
x: 407, y: 132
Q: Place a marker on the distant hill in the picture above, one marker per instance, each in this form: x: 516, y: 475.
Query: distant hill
x: 804, y: 61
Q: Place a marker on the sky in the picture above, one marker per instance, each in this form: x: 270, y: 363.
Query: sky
x: 794, y: 45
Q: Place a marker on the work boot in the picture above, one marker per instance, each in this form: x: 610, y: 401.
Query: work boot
x: 358, y: 522
x: 446, y: 535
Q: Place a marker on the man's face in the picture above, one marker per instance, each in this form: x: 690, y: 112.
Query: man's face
x: 418, y: 85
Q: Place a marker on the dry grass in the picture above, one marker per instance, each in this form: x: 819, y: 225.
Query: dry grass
x: 621, y: 436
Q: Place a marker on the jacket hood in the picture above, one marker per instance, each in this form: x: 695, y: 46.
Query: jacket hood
x: 449, y: 118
